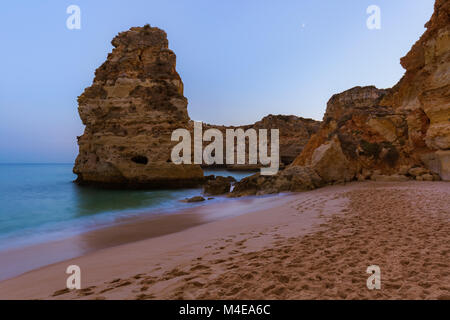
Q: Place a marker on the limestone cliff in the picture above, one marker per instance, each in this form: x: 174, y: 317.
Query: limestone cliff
x: 130, y: 111
x: 386, y: 135
x: 423, y: 94
x: 396, y: 129
x: 136, y: 101
x: 357, y: 133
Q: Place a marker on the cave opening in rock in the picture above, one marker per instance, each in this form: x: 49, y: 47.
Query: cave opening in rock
x: 140, y: 159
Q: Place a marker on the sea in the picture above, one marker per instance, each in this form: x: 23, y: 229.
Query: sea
x: 41, y: 203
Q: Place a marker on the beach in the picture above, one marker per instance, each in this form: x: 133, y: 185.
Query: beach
x: 308, y: 245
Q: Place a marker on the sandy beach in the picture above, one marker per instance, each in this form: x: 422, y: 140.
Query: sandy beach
x: 309, y: 245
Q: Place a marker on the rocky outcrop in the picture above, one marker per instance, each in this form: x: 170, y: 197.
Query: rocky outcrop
x: 406, y: 126
x: 294, y: 133
x: 217, y: 186
x: 357, y: 134
x: 330, y: 162
x: 384, y: 135
x: 194, y: 199
x: 292, y: 179
x: 423, y: 94
x: 135, y: 102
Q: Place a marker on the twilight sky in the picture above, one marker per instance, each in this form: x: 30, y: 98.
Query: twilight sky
x: 239, y: 59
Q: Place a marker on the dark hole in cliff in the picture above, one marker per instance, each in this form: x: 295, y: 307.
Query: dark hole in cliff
x: 392, y: 155
x: 371, y: 149
x: 140, y: 159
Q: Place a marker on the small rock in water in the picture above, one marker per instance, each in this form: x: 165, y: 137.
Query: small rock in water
x: 194, y: 199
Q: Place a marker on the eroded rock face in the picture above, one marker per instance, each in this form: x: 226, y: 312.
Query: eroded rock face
x: 423, y: 94
x: 408, y: 125
x: 135, y: 102
x: 381, y: 134
x: 443, y: 164
x: 294, y: 133
x: 357, y: 134
x: 356, y: 100
x: 330, y: 162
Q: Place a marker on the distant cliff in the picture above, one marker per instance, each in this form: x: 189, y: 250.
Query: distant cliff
x: 294, y: 133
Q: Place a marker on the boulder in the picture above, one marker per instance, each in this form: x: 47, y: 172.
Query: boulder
x: 331, y: 164
x: 417, y: 171
x: 438, y: 163
x: 389, y: 178
x: 217, y: 186
x: 403, y: 170
x: 291, y: 179
x: 444, y: 164
x: 194, y: 199
x: 427, y: 177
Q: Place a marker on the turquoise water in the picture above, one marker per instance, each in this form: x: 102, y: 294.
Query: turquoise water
x: 39, y: 202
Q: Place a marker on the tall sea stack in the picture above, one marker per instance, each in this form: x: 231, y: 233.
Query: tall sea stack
x: 130, y: 111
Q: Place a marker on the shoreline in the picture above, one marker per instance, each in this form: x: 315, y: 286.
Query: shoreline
x: 147, y: 225
x: 307, y: 245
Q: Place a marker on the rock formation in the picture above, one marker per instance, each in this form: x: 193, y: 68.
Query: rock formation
x: 135, y: 102
x: 423, y: 94
x: 385, y: 135
x: 294, y: 133
x: 291, y: 179
x: 130, y: 111
x: 357, y: 133
x: 218, y: 185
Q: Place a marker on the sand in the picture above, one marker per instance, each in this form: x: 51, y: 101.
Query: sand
x: 310, y: 245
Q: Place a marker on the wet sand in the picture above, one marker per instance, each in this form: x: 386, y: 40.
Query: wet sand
x: 310, y: 245
x: 125, y: 230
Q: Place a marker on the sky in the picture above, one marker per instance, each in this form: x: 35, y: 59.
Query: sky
x: 240, y: 60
